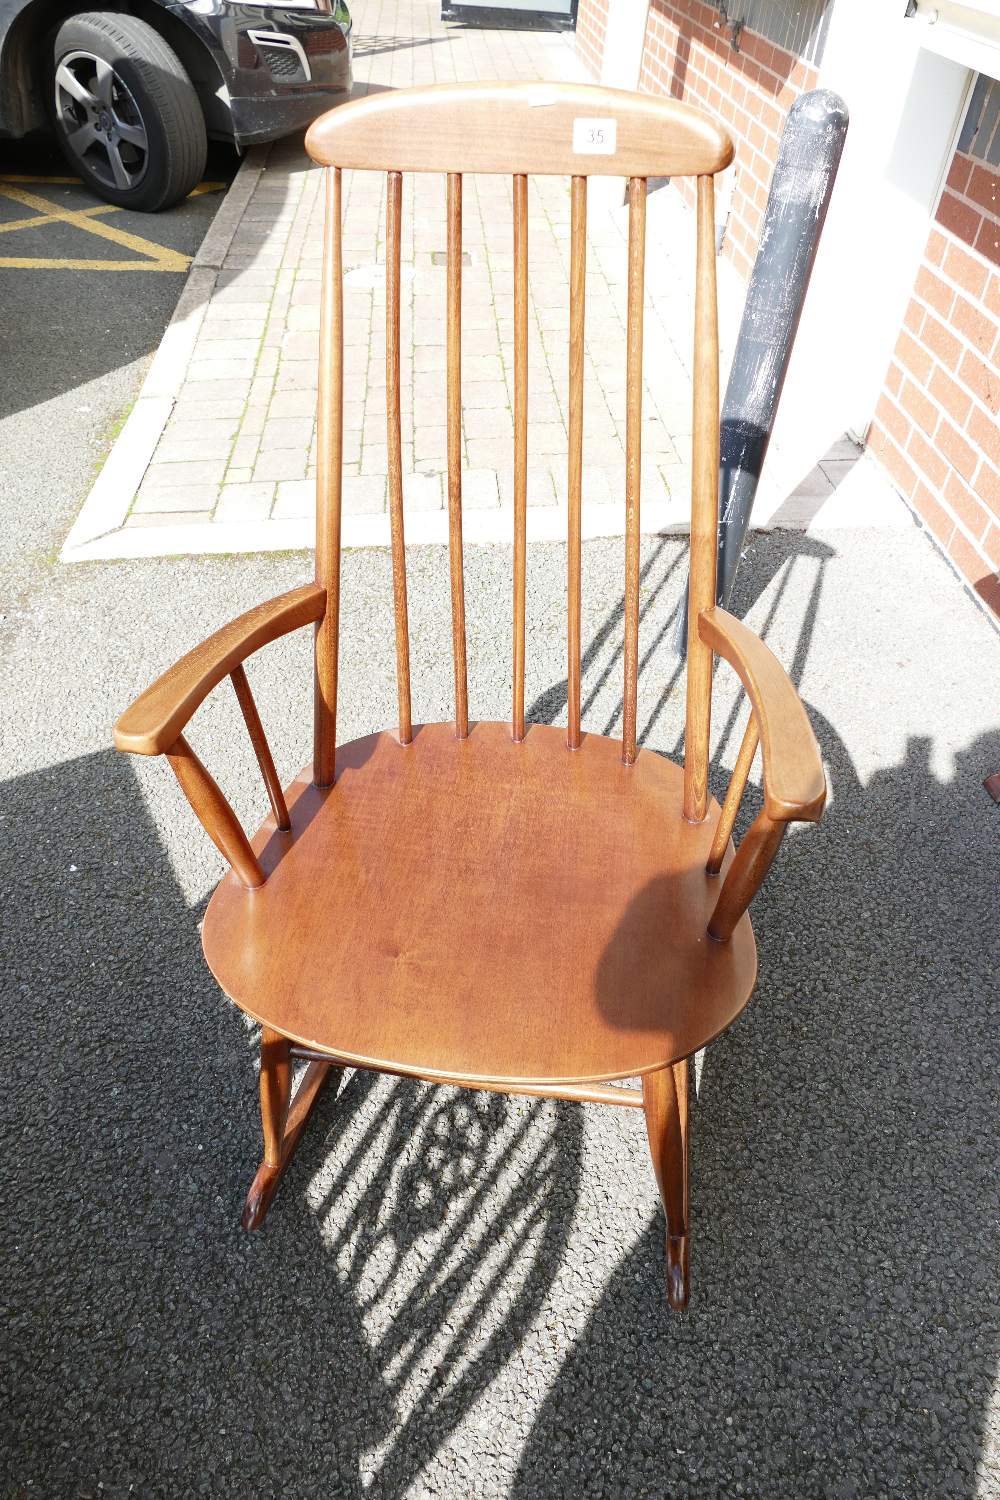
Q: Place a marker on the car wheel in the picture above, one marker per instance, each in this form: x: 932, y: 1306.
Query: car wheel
x: 125, y: 111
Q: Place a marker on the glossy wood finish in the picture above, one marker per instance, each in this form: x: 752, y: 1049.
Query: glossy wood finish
x: 520, y: 444
x: 704, y: 508
x: 269, y: 1174
x: 455, y: 453
x: 329, y: 481
x: 262, y: 749
x: 491, y: 908
x: 734, y: 796
x: 633, y: 456
x: 746, y: 875
x: 580, y: 1093
x: 564, y: 886
x: 393, y: 233
x: 665, y: 1103
x: 577, y: 317
x: 518, y: 128
x: 275, y: 1093
x: 151, y: 724
x: 215, y: 814
x: 794, y: 783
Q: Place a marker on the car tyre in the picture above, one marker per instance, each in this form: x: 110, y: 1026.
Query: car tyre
x: 125, y: 111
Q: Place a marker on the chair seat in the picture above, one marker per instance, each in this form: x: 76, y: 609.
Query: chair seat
x: 483, y: 910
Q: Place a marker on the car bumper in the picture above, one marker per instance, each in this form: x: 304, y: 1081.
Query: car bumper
x: 281, y: 68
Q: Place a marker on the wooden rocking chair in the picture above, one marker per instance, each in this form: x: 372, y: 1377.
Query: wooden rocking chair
x: 500, y: 906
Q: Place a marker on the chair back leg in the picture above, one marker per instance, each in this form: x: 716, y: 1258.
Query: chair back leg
x: 665, y: 1105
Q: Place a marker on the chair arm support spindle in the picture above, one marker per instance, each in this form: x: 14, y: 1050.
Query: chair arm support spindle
x: 151, y: 725
x: 734, y: 796
x: 793, y: 781
x: 214, y: 813
x: 746, y: 875
x: 262, y: 749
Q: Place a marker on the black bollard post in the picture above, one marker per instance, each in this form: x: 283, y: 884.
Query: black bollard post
x: 804, y: 174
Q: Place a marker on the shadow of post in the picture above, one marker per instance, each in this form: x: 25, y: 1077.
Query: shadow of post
x: 842, y: 1338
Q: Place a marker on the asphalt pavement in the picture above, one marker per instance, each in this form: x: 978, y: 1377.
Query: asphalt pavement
x: 80, y: 316
x: 455, y: 1293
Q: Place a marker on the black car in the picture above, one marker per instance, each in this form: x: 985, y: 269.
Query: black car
x: 133, y: 94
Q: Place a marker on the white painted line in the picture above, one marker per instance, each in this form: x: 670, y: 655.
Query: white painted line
x: 165, y: 375
x: 107, y: 505
x: 110, y: 500
x: 546, y: 523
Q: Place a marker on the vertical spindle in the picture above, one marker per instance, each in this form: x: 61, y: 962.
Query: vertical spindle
x: 393, y: 236
x: 329, y: 479
x: 633, y: 456
x: 577, y: 302
x: 520, y: 441
x: 455, y: 452
x: 704, y: 508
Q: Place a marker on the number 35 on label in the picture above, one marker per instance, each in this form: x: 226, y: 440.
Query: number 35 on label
x: 595, y: 137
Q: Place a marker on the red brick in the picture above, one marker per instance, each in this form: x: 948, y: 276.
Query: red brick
x: 970, y: 562
x: 966, y: 506
x: 964, y: 268
x: 984, y: 189
x: 917, y: 406
x: 988, y: 241
x: 960, y: 218
x: 950, y: 395
x: 971, y: 321
x: 914, y: 359
x: 893, y: 420
x: 894, y: 379
x: 962, y: 457
x: 932, y: 290
x: 987, y: 487
x: 991, y: 545
x: 772, y: 119
x: 985, y: 433
x: 982, y: 381
x: 991, y: 297
x: 936, y: 517
x: 936, y: 246
x: 959, y: 172
x: 988, y: 590
x: 914, y: 317
x: 940, y: 341
x: 927, y: 459
x: 885, y: 449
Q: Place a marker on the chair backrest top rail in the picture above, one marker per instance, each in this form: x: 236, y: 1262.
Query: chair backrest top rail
x: 552, y: 129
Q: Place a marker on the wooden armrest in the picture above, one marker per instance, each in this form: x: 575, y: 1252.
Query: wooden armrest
x: 153, y: 723
x: 794, y: 784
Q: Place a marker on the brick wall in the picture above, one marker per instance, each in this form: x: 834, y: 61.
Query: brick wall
x: 688, y: 55
x: 591, y: 25
x: 936, y: 426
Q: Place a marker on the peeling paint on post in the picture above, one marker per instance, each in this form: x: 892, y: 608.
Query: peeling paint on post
x: 806, y: 169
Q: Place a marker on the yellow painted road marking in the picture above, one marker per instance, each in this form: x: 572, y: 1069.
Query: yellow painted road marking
x: 27, y: 177
x: 37, y: 220
x: 31, y: 263
x: 158, y: 257
x: 203, y: 187
x: 155, y: 257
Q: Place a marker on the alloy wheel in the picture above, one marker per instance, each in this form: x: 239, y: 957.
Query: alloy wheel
x: 100, y: 120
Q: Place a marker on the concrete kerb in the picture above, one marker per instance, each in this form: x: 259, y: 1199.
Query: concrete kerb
x: 110, y: 500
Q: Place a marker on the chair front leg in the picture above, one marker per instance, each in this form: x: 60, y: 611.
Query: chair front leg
x: 275, y: 1092
x: 282, y: 1118
x: 665, y: 1105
